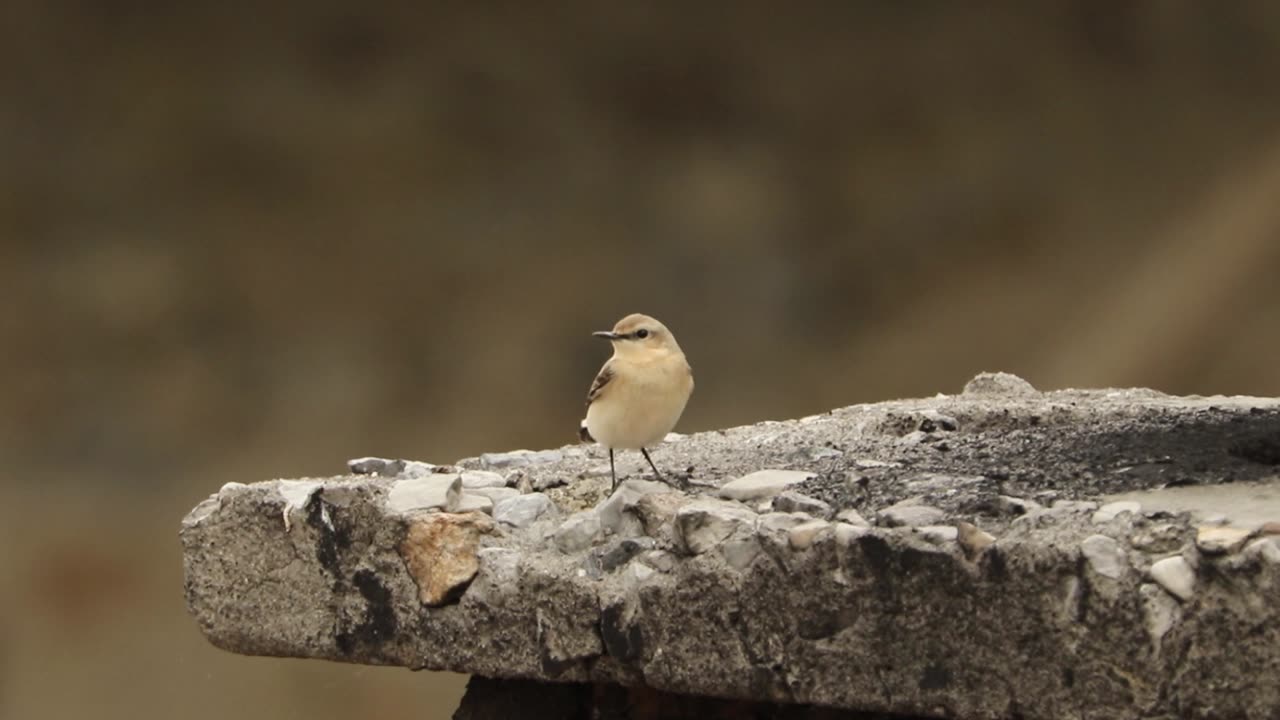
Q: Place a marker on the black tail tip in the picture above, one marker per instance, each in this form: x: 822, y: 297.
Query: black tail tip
x: 583, y: 434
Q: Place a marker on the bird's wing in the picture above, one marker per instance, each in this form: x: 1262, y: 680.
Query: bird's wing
x: 600, y: 383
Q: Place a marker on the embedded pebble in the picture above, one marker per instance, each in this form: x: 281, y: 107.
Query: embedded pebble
x: 659, y: 560
x: 495, y: 494
x: 431, y: 491
x: 546, y: 482
x: 998, y: 383
x: 637, y: 573
x: 973, y: 540
x: 914, y: 437
x: 1267, y: 548
x: 621, y: 552
x: 1063, y: 507
x: 802, y: 536
x: 1105, y: 556
x: 520, y: 458
x: 705, y: 523
x: 819, y: 452
x: 1175, y: 575
x: 846, y: 533
x: 1110, y: 511
x: 853, y: 517
x: 522, y: 510
x: 471, y: 503
x: 932, y: 420
x: 1221, y: 540
x: 472, y: 479
x: 578, y: 532
x: 1160, y: 538
x: 375, y: 466
x: 1010, y: 505
x: 762, y: 484
x: 792, y: 501
x: 740, y: 552
x: 910, y: 516
x: 938, y: 534
x: 417, y: 468
x: 618, y: 513
x: 1161, y: 612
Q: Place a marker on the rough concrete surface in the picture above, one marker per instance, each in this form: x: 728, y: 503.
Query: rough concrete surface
x: 998, y: 576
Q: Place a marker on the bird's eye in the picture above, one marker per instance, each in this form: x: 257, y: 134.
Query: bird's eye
x: 642, y: 333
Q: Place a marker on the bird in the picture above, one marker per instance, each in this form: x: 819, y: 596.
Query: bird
x: 639, y: 393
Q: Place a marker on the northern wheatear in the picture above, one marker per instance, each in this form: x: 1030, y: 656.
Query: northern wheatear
x: 640, y: 392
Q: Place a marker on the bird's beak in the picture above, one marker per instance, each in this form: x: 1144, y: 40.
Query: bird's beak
x: 606, y: 334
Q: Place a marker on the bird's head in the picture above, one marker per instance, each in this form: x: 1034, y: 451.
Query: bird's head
x: 638, y: 333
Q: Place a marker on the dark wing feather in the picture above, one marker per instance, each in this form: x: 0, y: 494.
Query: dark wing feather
x: 597, y: 387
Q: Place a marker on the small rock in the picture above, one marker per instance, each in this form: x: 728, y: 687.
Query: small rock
x: 660, y: 560
x: 473, y: 479
x: 909, y: 516
x: 432, y: 491
x: 499, y: 575
x: 522, y: 510
x: 973, y: 540
x: 1267, y: 548
x: 417, y: 469
x: 792, y: 501
x: 1067, y: 507
x: 853, y: 517
x: 1161, y: 612
x: 1160, y: 538
x: 762, y: 484
x: 375, y: 466
x: 578, y: 532
x: 998, y: 383
x: 846, y: 533
x: 618, y: 513
x: 932, y: 421
x: 440, y: 552
x: 471, y: 503
x: 543, y: 483
x: 637, y: 573
x: 706, y: 523
x: 1215, y: 519
x: 520, y: 458
x: 1110, y: 511
x: 621, y: 551
x: 657, y: 512
x: 915, y: 437
x: 1175, y: 575
x: 1105, y: 556
x: 802, y: 536
x: 496, y: 494
x: 1010, y: 505
x: 872, y: 463
x: 938, y: 534
x: 740, y: 552
x: 1221, y: 540
x: 1271, y: 527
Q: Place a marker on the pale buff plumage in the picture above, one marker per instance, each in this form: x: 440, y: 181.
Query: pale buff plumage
x: 641, y: 391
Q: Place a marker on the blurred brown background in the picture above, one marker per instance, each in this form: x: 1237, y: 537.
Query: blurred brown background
x: 240, y: 242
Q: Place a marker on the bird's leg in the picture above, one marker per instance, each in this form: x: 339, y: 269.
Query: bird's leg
x: 612, y: 473
x: 655, y: 467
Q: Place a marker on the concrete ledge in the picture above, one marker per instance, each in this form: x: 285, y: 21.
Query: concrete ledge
x: 958, y: 556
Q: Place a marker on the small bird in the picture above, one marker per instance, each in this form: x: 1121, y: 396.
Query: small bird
x: 640, y: 392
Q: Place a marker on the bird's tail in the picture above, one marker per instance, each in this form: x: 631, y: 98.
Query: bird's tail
x: 583, y: 434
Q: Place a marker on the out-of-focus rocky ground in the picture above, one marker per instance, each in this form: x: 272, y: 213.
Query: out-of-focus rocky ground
x: 240, y: 243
